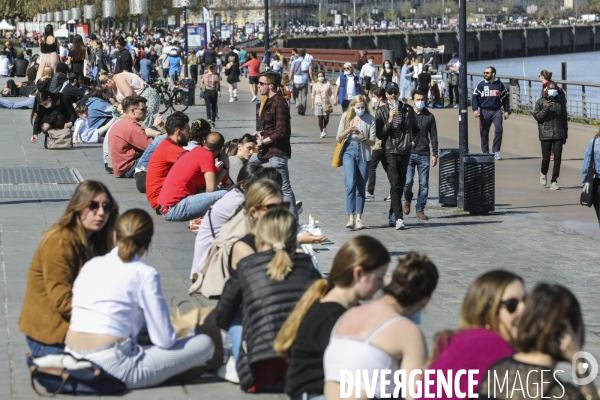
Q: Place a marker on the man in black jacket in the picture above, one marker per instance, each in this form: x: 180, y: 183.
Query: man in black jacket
x: 420, y: 156
x: 73, y: 89
x: 124, y: 62
x: 232, y: 53
x: 20, y: 67
x: 209, y: 57
x: 397, y: 129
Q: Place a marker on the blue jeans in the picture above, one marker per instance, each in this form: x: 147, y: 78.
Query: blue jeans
x: 21, y: 104
x: 145, y: 158
x: 281, y: 165
x: 356, y: 172
x: 235, y: 333
x: 39, y: 349
x: 421, y: 163
x: 194, y: 206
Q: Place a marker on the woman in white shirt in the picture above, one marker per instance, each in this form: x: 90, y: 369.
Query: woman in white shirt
x: 114, y: 296
x: 277, y: 65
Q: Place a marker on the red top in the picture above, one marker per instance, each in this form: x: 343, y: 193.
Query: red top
x: 160, y: 164
x: 253, y: 67
x: 127, y: 142
x: 186, y: 177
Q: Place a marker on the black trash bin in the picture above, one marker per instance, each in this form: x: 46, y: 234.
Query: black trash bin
x: 259, y: 125
x: 448, y: 161
x: 480, y: 183
x: 191, y: 91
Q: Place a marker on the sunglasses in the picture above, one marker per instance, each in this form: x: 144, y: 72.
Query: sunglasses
x: 94, y: 205
x: 487, y: 73
x: 262, y: 83
x: 347, y: 69
x: 142, y: 109
x: 511, y: 304
x: 266, y: 207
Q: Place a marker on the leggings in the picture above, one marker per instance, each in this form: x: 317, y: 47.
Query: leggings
x: 233, y: 89
x: 210, y: 99
x: 323, y: 121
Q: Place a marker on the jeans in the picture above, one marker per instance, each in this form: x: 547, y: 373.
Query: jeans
x: 194, y: 73
x: 39, y: 349
x: 174, y: 76
x: 301, y: 93
x: 130, y: 173
x: 421, y: 163
x: 145, y: 158
x: 21, y: 104
x: 281, y: 165
x: 235, y: 333
x: 397, y: 166
x: 556, y: 147
x: 453, y: 91
x: 210, y: 99
x: 376, y: 157
x: 355, y: 178
x: 486, y: 119
x: 194, y: 206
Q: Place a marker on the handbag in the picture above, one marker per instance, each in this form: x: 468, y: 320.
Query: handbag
x: 89, y: 380
x: 327, y: 108
x: 203, y: 87
x: 59, y: 139
x: 338, y: 154
x: 587, y: 193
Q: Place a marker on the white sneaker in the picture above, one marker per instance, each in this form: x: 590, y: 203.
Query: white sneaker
x: 231, y: 99
x: 554, y: 186
x: 323, y: 134
x: 543, y: 180
x: 253, y: 98
x: 229, y: 372
x: 399, y: 224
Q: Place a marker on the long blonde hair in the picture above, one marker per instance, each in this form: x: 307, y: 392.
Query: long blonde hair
x: 256, y: 195
x: 134, y: 232
x: 364, y: 251
x: 47, y: 73
x: 103, y: 77
x: 278, y: 229
x: 350, y: 114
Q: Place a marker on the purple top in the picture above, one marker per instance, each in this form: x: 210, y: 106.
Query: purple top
x: 475, y: 348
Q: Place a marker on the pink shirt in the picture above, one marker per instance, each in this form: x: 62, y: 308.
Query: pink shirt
x: 127, y: 142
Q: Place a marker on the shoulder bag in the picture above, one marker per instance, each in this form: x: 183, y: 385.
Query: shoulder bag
x: 338, y: 154
x: 587, y: 194
x: 59, y: 139
x: 326, y: 107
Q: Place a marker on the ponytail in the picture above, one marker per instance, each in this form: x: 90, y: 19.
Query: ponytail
x: 278, y: 229
x: 127, y: 249
x: 281, y: 264
x: 288, y: 332
x: 134, y: 232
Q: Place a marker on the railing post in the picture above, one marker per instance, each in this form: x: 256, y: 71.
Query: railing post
x: 584, y: 120
x: 530, y: 96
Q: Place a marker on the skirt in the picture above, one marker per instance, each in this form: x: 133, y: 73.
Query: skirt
x: 47, y: 60
x: 153, y: 103
x: 319, y: 110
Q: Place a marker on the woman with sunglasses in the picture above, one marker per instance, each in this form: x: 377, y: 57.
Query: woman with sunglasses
x: 84, y: 231
x: 551, y: 330
x: 357, y: 130
x: 245, y: 148
x: 488, y: 327
x: 266, y: 287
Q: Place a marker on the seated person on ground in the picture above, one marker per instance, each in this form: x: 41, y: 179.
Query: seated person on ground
x: 73, y: 89
x: 59, y: 79
x: 192, y: 183
x: 20, y: 67
x: 128, y: 140
x: 44, y: 82
x: 51, y: 111
x: 82, y: 132
x: 99, y: 109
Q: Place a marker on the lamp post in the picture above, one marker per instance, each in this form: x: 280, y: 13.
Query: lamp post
x: 184, y: 4
x: 89, y: 12
x: 448, y: 11
x: 412, y: 14
x: 108, y: 12
x: 267, y: 55
x: 165, y: 11
x: 137, y: 8
x: 463, y: 131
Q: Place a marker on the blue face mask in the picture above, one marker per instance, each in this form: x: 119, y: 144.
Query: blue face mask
x: 359, y: 112
x: 552, y: 92
x: 416, y: 318
x: 420, y: 105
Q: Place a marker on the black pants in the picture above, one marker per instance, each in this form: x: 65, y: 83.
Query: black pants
x: 376, y: 157
x: 452, y: 92
x: 140, y: 181
x: 165, y: 73
x: 551, y: 146
x: 596, y: 197
x: 345, y: 105
x: 396, y: 172
x: 210, y: 99
x: 194, y: 73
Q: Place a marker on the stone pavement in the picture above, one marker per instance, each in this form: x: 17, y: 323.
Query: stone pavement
x: 529, y: 233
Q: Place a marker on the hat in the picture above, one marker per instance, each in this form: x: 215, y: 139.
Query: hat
x: 92, y: 36
x: 348, y: 65
x: 392, y: 86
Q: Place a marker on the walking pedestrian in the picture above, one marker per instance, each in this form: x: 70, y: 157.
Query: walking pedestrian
x: 274, y: 139
x: 369, y: 75
x: 421, y: 158
x: 386, y: 74
x: 347, y: 86
x: 489, y: 97
x: 405, y: 80
x: 397, y: 128
x: 593, y: 147
x: 254, y: 71
x: 377, y: 153
x: 357, y: 130
x: 49, y: 50
x: 454, y: 67
x: 232, y: 71
x: 321, y: 98
x: 301, y: 76
x: 213, y: 91
x: 551, y: 115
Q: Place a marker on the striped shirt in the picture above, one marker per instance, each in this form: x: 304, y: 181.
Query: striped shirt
x: 211, y: 81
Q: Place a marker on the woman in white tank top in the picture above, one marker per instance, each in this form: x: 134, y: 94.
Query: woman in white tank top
x: 380, y: 335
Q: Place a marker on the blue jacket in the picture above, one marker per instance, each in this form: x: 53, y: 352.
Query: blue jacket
x: 343, y: 82
x: 490, y: 96
x: 99, y: 112
x: 586, y: 160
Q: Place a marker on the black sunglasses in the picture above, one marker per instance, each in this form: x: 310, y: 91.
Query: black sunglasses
x: 94, y: 205
x: 285, y: 205
x: 263, y: 83
x: 511, y: 304
x: 487, y: 73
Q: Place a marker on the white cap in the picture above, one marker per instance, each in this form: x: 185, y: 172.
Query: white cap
x: 347, y: 65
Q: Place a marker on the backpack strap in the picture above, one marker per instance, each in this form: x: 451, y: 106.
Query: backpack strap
x: 212, y: 230
x: 64, y: 376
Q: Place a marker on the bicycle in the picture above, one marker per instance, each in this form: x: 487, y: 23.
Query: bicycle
x: 174, y: 97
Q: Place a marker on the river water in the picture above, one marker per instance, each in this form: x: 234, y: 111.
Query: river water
x: 581, y: 67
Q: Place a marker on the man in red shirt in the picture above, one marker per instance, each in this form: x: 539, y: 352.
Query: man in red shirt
x: 192, y: 183
x: 127, y: 139
x: 165, y: 155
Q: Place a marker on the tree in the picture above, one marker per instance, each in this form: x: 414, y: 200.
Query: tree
x: 391, y: 15
x: 324, y: 17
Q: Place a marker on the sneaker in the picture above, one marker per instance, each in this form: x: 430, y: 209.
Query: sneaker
x: 399, y: 224
x: 231, y: 99
x: 218, y: 116
x: 406, y: 208
x: 421, y: 215
x: 369, y: 197
x: 388, y: 198
x: 497, y: 156
x: 229, y: 372
x: 393, y: 219
x: 298, y: 204
x: 350, y: 224
x: 543, y: 180
x: 323, y: 134
x: 253, y: 98
x: 552, y: 156
x: 455, y: 106
x: 359, y: 225
x: 108, y: 169
x: 554, y: 186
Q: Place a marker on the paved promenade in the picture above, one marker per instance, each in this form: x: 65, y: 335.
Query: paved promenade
x: 538, y: 233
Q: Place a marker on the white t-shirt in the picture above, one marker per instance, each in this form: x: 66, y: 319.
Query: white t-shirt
x: 3, y: 65
x: 276, y: 65
x: 350, y: 87
x: 369, y: 71
x: 64, y: 51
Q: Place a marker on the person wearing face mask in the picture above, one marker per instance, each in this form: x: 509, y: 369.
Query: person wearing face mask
x: 377, y: 153
x: 357, y: 130
x: 551, y: 115
x: 369, y: 75
x: 386, y: 74
x: 321, y: 95
x: 51, y: 111
x: 420, y: 158
x: 347, y: 86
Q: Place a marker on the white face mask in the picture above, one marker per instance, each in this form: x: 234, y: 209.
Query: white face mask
x: 49, y: 104
x: 321, y: 79
x: 552, y: 92
x: 420, y: 105
x: 359, y: 112
x: 370, y: 62
x: 348, y: 72
x: 375, y: 100
x: 387, y: 65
